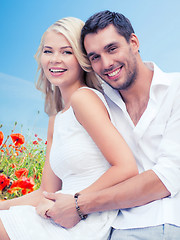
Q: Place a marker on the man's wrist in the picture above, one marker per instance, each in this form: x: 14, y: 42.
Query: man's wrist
x: 79, y: 212
x: 89, y: 202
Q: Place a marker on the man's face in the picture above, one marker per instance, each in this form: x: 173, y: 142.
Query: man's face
x: 112, y: 57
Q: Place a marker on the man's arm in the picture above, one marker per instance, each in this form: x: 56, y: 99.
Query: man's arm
x: 136, y: 191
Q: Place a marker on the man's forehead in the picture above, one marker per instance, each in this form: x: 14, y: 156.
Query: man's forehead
x: 101, y: 40
x: 104, y: 31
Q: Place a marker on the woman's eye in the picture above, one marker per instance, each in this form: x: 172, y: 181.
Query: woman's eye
x: 67, y: 52
x: 47, y: 51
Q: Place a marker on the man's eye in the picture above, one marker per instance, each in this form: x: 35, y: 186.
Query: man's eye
x: 112, y: 49
x: 94, y: 58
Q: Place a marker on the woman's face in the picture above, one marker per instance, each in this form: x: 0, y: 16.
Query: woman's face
x: 59, y: 62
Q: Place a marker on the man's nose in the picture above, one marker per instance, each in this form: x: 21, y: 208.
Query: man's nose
x: 106, y: 62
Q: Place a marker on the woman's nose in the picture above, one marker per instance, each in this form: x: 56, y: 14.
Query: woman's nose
x: 55, y: 58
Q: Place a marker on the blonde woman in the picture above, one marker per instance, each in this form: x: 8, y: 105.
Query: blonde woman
x: 85, y: 152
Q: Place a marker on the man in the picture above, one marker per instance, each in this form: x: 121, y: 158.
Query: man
x: 145, y: 104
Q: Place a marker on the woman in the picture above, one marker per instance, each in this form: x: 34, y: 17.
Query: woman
x: 84, y: 152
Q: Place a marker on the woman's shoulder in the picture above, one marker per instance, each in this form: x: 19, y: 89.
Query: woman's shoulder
x: 87, y: 93
x: 87, y: 101
x: 98, y: 92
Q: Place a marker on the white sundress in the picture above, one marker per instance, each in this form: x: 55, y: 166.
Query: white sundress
x: 76, y: 159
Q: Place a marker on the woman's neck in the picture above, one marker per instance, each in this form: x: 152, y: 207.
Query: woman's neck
x: 68, y: 92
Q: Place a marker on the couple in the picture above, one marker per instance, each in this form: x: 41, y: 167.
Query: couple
x: 90, y: 172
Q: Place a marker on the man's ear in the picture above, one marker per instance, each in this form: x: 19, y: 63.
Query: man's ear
x: 134, y: 42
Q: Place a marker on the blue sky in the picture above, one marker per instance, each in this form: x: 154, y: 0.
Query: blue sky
x: 22, y: 24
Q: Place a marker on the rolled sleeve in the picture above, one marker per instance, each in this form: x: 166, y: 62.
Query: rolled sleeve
x: 168, y: 157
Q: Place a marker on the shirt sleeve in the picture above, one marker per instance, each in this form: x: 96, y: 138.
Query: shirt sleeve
x: 168, y: 164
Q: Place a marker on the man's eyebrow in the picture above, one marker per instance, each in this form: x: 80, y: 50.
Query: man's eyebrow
x: 105, y: 48
x: 90, y: 54
x: 110, y: 45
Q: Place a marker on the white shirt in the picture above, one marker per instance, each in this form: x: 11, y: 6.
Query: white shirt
x: 155, y: 143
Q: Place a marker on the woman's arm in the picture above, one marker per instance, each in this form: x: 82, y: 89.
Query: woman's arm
x: 50, y: 182
x: 93, y: 116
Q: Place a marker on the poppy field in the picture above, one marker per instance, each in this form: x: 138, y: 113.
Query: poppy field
x: 21, y: 164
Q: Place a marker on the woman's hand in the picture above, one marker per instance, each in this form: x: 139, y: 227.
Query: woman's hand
x: 43, y: 207
x: 63, y: 211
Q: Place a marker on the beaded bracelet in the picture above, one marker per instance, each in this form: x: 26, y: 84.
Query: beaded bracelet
x: 81, y: 215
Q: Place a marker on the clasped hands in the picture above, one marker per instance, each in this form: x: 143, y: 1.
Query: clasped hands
x: 60, y: 208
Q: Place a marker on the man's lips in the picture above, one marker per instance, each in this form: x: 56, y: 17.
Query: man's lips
x: 114, y: 73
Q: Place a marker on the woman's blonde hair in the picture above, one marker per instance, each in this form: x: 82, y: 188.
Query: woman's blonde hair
x: 70, y: 27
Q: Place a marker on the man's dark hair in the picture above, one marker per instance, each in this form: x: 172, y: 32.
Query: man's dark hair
x: 102, y: 19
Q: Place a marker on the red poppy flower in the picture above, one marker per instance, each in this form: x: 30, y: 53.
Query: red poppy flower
x: 24, y: 183
x: 1, y: 138
x: 18, y: 139
x: 13, y: 165
x: 36, y: 176
x: 22, y: 149
x: 4, y: 181
x: 22, y: 172
x: 35, y: 142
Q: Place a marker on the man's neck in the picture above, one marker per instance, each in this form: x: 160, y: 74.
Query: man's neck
x: 137, y: 96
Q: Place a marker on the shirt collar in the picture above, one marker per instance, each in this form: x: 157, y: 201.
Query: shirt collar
x: 160, y: 81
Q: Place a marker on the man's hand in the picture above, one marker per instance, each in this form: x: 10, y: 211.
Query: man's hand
x: 63, y: 212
